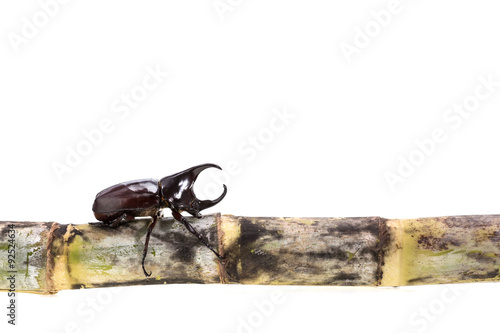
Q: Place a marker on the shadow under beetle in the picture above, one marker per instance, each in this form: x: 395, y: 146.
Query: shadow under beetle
x: 147, y: 197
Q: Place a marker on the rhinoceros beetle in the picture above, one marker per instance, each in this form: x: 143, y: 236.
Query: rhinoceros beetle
x: 147, y: 197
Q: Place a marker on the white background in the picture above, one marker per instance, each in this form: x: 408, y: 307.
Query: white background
x: 230, y: 69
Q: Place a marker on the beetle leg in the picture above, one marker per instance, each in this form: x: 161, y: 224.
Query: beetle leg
x: 116, y: 222
x: 151, y: 226
x: 97, y: 224
x: 123, y: 218
x: 178, y: 216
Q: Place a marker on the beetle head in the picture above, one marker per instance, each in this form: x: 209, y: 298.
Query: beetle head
x: 177, y: 190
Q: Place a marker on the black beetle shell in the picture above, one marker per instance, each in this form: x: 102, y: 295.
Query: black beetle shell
x: 133, y: 198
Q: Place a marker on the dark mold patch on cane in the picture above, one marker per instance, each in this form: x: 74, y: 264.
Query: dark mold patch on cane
x: 371, y: 251
x: 333, y: 253
x: 184, y: 246
x: 419, y: 280
x: 469, y: 222
x: 384, y: 239
x: 345, y: 279
x: 253, y: 265
x: 257, y: 231
x: 495, y: 236
x: 355, y: 227
x: 437, y: 243
x: 140, y: 282
x: 73, y: 233
x: 184, y: 254
x: 61, y: 231
x: 211, y: 233
x: 482, y: 258
x: 485, y: 275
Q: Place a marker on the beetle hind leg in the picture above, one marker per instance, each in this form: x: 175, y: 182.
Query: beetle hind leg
x: 126, y: 217
x: 112, y: 220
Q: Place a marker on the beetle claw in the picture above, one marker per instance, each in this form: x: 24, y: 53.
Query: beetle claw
x: 146, y: 273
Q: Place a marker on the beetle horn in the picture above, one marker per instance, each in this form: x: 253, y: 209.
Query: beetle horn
x: 195, y: 171
x: 204, y: 204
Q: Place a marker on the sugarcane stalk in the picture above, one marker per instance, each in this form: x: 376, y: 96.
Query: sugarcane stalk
x: 365, y: 251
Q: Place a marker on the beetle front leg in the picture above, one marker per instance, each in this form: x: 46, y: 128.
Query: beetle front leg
x: 178, y: 216
x: 145, y: 252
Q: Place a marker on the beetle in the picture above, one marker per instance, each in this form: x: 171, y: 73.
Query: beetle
x: 147, y: 197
